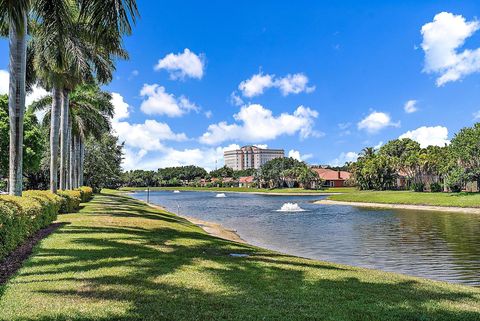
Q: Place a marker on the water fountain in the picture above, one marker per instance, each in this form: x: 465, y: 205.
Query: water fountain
x: 221, y: 195
x: 291, y: 207
x: 176, y: 191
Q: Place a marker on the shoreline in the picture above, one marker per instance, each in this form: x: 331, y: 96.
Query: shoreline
x: 468, y: 210
x: 239, y: 192
x: 211, y: 228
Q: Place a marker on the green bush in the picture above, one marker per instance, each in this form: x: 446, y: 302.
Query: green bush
x: 436, y: 187
x: 14, y: 225
x: 72, y: 200
x: 418, y: 187
x: 51, y: 204
x: 20, y: 217
x: 86, y: 193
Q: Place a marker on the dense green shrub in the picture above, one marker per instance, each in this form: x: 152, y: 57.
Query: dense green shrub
x: 86, y: 193
x: 436, y: 187
x: 72, y: 200
x: 418, y: 187
x: 20, y: 217
x: 14, y: 225
x: 51, y: 204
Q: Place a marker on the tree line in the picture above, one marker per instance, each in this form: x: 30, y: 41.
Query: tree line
x: 68, y: 47
x: 402, y: 163
x: 277, y: 173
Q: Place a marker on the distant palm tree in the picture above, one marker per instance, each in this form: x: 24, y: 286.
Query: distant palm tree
x: 367, y: 152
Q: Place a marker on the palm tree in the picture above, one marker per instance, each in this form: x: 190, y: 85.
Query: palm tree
x: 104, y: 18
x: 66, y: 57
x: 14, y: 14
x: 90, y: 110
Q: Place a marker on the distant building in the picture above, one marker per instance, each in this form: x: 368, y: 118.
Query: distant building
x: 245, y: 181
x: 250, y: 157
x: 332, y: 178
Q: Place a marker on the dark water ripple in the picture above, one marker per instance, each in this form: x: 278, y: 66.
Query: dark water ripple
x: 436, y: 245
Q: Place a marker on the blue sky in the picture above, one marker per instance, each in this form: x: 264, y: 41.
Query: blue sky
x: 320, y: 79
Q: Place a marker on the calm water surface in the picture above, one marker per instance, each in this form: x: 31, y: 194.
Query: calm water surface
x: 436, y: 245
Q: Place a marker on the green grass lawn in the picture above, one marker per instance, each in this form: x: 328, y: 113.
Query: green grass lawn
x: 119, y: 259
x: 245, y: 189
x: 407, y: 197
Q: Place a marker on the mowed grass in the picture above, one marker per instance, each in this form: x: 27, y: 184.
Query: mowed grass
x: 413, y: 198
x: 119, y: 259
x: 245, y: 189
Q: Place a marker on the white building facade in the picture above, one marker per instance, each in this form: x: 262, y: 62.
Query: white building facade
x: 250, y: 157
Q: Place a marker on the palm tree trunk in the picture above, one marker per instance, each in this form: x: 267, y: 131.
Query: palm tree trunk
x: 16, y: 104
x: 64, y: 141
x: 54, y: 136
x: 77, y: 162
x: 70, y: 159
x: 82, y: 160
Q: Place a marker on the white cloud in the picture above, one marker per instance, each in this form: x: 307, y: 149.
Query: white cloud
x: 254, y: 123
x: 262, y: 146
x: 441, y: 40
x: 235, y: 99
x: 208, y: 158
x: 139, y: 138
x: 121, y: 108
x: 296, y: 154
x: 410, y: 106
x: 4, y: 82
x: 147, y: 136
x: 344, y: 126
x: 182, y: 65
x: 476, y: 115
x: 159, y: 102
x: 294, y: 84
x: 256, y: 85
x: 290, y: 84
x: 208, y: 114
x: 376, y: 121
x: 344, y: 158
x: 426, y: 136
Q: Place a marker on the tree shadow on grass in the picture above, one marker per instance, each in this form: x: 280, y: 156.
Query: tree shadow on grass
x: 166, y: 273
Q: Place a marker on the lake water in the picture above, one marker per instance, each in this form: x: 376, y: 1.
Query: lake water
x: 435, y: 245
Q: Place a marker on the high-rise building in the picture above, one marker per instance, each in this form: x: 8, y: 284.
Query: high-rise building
x: 250, y: 157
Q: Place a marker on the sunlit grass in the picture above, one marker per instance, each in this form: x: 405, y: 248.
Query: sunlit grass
x: 414, y: 198
x: 119, y: 259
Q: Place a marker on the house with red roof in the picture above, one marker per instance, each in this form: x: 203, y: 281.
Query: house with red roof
x: 332, y: 178
x: 245, y: 181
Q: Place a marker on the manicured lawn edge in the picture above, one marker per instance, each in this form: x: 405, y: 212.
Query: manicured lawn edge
x: 462, y: 200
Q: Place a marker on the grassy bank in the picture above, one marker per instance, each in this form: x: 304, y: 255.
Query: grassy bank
x: 120, y: 259
x: 411, y: 198
x: 245, y: 189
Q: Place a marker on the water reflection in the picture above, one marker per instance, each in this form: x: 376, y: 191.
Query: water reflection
x: 437, y: 245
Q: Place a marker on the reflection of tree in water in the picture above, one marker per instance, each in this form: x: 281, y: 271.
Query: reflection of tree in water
x: 435, y: 245
x: 460, y: 233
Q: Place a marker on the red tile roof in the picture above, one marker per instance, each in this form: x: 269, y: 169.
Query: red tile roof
x: 246, y: 179
x: 331, y: 175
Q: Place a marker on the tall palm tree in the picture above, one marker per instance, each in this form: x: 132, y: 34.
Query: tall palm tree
x: 103, y: 17
x: 90, y: 111
x: 14, y: 14
x: 66, y: 57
